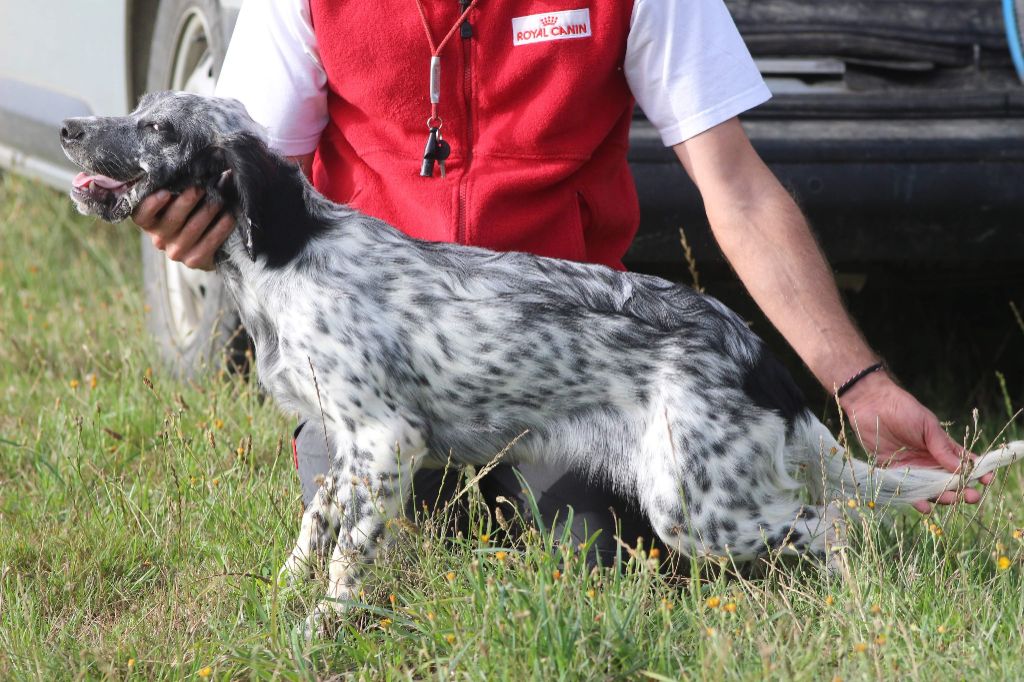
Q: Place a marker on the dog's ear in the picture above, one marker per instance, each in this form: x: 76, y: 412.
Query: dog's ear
x: 244, y: 179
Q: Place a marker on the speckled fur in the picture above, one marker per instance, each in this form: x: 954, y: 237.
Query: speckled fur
x: 408, y: 352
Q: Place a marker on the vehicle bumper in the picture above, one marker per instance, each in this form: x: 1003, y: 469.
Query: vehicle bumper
x: 943, y: 192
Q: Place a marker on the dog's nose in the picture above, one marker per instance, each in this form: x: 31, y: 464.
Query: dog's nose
x: 71, y: 129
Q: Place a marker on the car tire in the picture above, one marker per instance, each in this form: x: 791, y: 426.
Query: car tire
x: 189, y: 312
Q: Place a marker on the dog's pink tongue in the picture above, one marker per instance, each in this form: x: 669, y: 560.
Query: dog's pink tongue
x: 84, y: 180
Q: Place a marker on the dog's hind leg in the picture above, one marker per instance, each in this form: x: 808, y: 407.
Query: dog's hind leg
x: 369, y: 486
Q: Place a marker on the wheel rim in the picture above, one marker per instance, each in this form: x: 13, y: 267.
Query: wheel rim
x: 193, y: 70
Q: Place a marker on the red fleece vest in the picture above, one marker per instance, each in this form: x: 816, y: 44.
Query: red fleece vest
x: 538, y: 131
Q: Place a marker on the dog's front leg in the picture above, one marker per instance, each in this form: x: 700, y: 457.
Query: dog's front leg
x: 369, y: 484
x: 317, y: 536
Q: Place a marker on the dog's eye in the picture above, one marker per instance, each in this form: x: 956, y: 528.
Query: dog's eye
x: 155, y: 127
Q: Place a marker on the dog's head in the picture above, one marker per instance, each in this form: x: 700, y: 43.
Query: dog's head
x: 173, y: 140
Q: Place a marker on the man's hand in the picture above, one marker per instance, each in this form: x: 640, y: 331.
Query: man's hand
x: 900, y: 431
x: 186, y: 228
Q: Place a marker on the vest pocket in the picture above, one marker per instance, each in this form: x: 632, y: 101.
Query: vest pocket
x: 609, y: 215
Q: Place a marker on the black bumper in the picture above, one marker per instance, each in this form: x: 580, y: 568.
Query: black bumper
x: 877, y: 192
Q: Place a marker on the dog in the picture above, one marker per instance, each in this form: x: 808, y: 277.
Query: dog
x: 410, y: 352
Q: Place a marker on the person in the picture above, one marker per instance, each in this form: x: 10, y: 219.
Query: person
x: 535, y: 103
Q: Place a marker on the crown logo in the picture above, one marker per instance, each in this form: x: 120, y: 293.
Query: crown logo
x: 549, y: 21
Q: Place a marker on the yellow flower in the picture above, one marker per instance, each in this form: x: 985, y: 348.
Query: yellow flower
x: 712, y: 602
x: 667, y: 605
x: 73, y: 383
x: 131, y: 662
x: 430, y: 616
x: 591, y: 593
x: 875, y: 609
x: 655, y: 553
x: 880, y: 640
x: 1018, y: 533
x: 942, y: 629
x: 556, y: 574
x: 215, y: 482
x: 730, y: 607
x: 871, y: 504
x: 450, y: 639
x: 500, y: 556
x: 860, y: 647
x: 1003, y: 563
x: 484, y: 537
x: 218, y: 423
x: 385, y: 623
x: 710, y: 632
x: 851, y: 503
x: 830, y: 600
x: 205, y: 672
x: 935, y: 529
x: 450, y: 576
x: 93, y: 381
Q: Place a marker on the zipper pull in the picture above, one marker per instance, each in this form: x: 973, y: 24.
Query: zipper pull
x: 466, y: 30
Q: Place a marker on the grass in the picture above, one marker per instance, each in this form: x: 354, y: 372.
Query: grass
x: 142, y: 521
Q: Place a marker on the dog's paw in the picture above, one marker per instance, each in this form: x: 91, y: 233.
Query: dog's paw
x: 320, y: 623
x: 296, y: 570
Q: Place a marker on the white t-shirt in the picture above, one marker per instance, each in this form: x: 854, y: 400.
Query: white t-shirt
x: 686, y: 65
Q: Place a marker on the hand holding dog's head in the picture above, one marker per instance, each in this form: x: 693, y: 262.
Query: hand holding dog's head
x: 173, y: 140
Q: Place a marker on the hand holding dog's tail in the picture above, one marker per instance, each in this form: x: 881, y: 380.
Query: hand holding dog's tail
x: 847, y: 477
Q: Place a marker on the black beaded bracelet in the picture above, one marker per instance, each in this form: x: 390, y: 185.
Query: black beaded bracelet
x: 852, y: 381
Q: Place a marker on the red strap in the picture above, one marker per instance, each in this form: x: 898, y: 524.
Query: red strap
x: 436, y: 51
x: 295, y: 452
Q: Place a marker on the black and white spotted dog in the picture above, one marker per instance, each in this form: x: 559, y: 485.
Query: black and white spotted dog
x: 409, y: 351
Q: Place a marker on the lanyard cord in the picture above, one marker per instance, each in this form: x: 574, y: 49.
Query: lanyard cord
x: 435, y: 52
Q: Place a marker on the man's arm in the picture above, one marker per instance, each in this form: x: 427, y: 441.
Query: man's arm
x: 767, y: 241
x: 188, y: 229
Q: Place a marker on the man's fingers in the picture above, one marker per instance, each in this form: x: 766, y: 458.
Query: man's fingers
x: 145, y: 214
x: 972, y: 496
x: 923, y: 507
x: 178, y: 211
x: 941, y: 446
x: 199, y: 222
x: 201, y: 255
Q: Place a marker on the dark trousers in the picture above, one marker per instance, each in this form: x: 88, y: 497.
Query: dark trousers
x: 596, y: 508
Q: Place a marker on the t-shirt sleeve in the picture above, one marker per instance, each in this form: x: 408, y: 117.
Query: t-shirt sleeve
x: 688, y: 67
x: 273, y: 67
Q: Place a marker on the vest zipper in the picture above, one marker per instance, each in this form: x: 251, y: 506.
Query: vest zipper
x: 465, y: 33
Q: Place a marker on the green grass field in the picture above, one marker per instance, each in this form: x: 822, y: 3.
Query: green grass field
x: 142, y: 522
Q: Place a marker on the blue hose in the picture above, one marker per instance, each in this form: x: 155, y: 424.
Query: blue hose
x: 1013, y: 37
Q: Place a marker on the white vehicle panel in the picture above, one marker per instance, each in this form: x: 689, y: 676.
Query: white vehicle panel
x: 77, y: 49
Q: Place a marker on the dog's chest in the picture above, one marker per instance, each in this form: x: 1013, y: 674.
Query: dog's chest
x: 317, y: 352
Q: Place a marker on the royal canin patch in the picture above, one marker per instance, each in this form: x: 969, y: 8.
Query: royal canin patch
x: 537, y: 28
